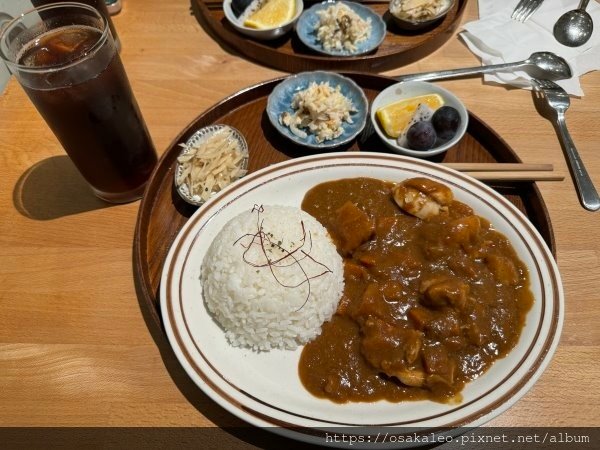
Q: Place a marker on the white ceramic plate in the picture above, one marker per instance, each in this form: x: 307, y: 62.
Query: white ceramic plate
x: 264, y: 389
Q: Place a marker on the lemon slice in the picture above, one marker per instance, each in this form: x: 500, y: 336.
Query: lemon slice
x: 272, y: 14
x: 395, y: 117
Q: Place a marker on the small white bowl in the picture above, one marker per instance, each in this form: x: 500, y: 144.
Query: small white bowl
x: 408, y: 89
x: 198, y: 137
x: 264, y: 34
x: 411, y: 24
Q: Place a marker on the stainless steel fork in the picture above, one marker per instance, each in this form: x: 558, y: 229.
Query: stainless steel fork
x: 525, y: 9
x: 558, y: 99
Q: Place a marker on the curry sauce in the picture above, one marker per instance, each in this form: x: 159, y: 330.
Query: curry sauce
x: 431, y: 298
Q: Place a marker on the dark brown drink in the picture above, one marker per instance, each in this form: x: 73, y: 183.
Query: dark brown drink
x: 88, y: 103
x: 100, y: 5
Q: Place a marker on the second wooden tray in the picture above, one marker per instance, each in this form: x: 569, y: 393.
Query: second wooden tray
x: 289, y: 54
x: 163, y: 213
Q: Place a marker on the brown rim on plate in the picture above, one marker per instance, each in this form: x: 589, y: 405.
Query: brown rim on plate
x: 239, y: 190
x: 162, y: 213
x: 400, y: 47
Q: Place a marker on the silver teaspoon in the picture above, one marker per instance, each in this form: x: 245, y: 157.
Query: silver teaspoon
x: 575, y: 27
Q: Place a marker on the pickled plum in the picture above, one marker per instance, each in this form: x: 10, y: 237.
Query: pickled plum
x: 446, y: 121
x: 421, y: 136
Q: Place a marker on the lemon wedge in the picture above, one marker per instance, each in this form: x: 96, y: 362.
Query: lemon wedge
x: 272, y: 14
x: 395, y: 117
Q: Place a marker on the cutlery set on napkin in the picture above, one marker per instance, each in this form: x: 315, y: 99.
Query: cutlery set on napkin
x: 518, y: 43
x: 497, y: 38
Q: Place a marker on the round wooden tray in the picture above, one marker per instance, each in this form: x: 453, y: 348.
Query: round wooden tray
x: 289, y: 54
x: 162, y: 212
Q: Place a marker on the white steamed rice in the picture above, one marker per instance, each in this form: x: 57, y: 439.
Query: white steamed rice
x: 248, y: 298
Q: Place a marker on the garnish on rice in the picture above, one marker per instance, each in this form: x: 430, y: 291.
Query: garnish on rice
x: 276, y: 254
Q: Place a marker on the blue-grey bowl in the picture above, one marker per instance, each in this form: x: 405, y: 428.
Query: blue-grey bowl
x: 307, y: 25
x: 280, y: 101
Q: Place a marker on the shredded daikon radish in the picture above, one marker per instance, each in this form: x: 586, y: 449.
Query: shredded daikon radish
x: 418, y: 10
x: 211, y: 164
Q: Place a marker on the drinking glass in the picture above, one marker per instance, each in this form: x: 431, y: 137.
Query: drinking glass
x: 65, y: 58
x: 100, y: 5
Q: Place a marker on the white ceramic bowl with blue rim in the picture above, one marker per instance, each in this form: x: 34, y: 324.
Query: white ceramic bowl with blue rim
x: 280, y: 101
x: 196, y: 139
x: 308, y: 23
x: 408, y: 89
x: 263, y: 34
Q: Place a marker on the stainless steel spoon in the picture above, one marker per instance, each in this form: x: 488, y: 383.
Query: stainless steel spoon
x: 545, y: 65
x: 575, y: 27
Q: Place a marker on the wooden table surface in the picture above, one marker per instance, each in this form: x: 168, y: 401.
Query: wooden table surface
x: 75, y: 349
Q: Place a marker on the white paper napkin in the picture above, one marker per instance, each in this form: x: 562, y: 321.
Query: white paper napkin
x: 497, y: 39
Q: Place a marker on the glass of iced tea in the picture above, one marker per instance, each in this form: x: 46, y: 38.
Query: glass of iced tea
x: 100, y: 5
x: 64, y: 57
